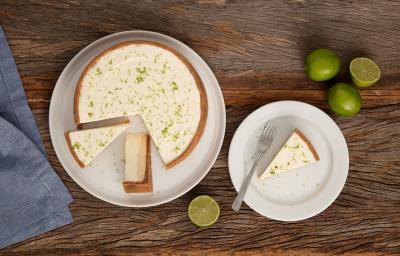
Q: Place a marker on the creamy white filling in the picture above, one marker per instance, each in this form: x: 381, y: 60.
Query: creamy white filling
x: 150, y: 81
x: 135, y: 157
x: 87, y: 144
x: 294, y: 153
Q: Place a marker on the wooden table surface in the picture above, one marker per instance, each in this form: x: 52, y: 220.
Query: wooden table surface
x: 256, y: 49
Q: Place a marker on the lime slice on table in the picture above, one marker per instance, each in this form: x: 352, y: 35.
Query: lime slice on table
x: 203, y: 211
x: 364, y: 72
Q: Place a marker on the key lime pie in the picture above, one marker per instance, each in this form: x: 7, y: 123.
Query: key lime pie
x: 153, y: 81
x: 138, y: 177
x: 85, y: 145
x: 296, y: 152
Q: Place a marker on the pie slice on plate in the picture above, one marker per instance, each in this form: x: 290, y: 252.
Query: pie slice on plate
x: 138, y: 177
x: 85, y: 145
x: 296, y: 152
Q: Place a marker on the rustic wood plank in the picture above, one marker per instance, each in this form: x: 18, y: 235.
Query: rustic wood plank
x: 256, y: 50
x: 364, y: 218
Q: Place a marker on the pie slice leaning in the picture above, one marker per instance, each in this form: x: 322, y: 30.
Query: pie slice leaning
x: 86, y: 145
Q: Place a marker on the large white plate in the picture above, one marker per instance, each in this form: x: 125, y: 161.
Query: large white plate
x: 300, y: 193
x: 104, y: 176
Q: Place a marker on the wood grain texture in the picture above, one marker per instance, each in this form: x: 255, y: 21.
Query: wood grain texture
x: 256, y: 49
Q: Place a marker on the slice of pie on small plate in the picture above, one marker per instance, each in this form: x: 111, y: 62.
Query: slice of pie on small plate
x: 296, y: 152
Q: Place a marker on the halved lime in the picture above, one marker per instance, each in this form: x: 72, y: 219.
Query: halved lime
x: 203, y: 211
x: 364, y: 72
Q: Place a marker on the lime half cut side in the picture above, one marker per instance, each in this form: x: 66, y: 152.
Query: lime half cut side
x: 364, y: 72
x: 203, y: 211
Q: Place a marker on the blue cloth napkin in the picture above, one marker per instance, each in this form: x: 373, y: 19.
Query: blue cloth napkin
x: 33, y: 199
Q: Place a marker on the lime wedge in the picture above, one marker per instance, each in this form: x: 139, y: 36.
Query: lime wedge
x: 364, y: 72
x: 203, y: 211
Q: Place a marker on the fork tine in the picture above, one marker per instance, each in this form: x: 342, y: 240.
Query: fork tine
x: 269, y: 133
x: 266, y: 128
x: 273, y: 132
x: 266, y: 131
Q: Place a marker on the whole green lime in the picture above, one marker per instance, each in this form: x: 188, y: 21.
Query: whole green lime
x: 344, y: 99
x: 322, y: 65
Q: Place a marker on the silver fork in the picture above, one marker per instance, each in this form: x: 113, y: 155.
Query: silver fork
x: 263, y: 145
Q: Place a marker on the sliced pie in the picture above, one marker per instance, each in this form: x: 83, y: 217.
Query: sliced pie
x: 151, y: 80
x: 137, y: 163
x: 296, y: 152
x: 85, y: 145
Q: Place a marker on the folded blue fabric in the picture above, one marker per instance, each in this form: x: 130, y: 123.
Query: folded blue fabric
x: 33, y: 199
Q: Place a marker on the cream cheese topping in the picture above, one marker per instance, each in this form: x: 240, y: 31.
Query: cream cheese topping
x: 87, y: 144
x: 294, y: 153
x: 150, y: 81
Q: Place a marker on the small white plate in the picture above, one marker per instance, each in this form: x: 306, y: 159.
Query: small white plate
x: 104, y: 176
x: 301, y: 193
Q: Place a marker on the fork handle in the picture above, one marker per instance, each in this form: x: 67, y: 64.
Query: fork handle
x: 245, y: 184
